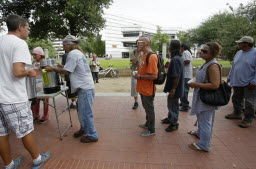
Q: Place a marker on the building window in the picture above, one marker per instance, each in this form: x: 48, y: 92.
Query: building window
x: 131, y: 34
x: 125, y: 54
x: 147, y: 34
x: 129, y: 44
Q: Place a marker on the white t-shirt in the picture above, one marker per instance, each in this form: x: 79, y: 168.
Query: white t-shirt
x: 95, y: 65
x: 188, y: 70
x: 12, y: 50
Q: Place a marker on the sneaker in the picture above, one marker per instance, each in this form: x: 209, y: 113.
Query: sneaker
x: 72, y: 106
x: 171, y: 128
x: 42, y: 121
x: 233, y: 116
x: 165, y: 121
x: 17, y: 162
x: 135, y: 106
x: 244, y: 124
x: 86, y: 139
x: 44, y: 157
x: 144, y: 126
x: 79, y: 133
x: 147, y: 133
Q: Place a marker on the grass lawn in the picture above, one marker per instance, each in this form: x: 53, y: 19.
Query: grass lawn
x: 125, y: 63
x: 116, y: 63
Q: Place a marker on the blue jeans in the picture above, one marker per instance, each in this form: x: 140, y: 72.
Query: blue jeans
x: 184, y: 99
x: 205, y: 126
x: 85, y: 116
x: 173, y: 110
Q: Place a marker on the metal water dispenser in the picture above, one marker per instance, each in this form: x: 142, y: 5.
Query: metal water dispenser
x: 51, y: 80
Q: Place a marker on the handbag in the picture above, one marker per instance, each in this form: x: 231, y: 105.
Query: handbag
x: 218, y: 97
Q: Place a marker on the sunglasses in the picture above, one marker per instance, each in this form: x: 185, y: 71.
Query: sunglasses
x: 204, y: 51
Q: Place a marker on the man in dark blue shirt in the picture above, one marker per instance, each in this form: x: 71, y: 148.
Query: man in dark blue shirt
x: 174, y: 86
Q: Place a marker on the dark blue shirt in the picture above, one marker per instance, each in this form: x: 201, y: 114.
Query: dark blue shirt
x: 175, y: 70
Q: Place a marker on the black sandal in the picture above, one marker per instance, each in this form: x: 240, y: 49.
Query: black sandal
x: 193, y: 133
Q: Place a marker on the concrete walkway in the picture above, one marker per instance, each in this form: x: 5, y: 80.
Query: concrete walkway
x: 121, y: 147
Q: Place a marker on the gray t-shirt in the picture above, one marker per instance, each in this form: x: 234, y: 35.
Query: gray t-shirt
x: 80, y: 73
x: 188, y: 71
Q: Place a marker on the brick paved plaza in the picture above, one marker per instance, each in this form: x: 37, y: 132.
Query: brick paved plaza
x: 121, y: 147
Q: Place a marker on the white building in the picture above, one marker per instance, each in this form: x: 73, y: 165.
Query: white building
x: 57, y: 44
x: 120, y: 34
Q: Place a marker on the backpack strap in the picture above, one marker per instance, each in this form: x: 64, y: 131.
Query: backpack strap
x: 148, y: 56
x: 147, y: 60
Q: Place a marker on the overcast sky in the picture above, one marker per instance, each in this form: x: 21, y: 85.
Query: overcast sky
x: 184, y: 14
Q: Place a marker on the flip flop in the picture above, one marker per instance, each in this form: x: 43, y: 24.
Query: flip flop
x: 195, y: 147
x: 193, y: 133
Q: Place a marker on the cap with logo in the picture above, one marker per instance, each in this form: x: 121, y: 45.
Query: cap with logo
x: 247, y: 39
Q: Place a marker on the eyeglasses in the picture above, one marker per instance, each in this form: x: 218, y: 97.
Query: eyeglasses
x: 204, y: 51
x: 140, y: 41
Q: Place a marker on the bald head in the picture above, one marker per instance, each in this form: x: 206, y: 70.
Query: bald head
x: 145, y: 40
x: 143, y: 44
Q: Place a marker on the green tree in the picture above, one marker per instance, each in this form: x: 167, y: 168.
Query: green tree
x: 57, y: 18
x: 99, y: 46
x: 45, y: 44
x: 184, y: 37
x: 248, y: 10
x: 159, y: 39
x: 86, y: 45
x: 93, y: 44
x: 224, y: 28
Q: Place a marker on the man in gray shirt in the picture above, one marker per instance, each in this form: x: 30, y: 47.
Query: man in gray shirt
x: 242, y: 77
x: 81, y: 82
x: 186, y: 56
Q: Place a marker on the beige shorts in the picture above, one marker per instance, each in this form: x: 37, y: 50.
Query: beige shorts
x: 134, y: 92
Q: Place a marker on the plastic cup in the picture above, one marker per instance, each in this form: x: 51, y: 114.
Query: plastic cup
x: 64, y: 84
x: 134, y: 73
x: 191, y: 80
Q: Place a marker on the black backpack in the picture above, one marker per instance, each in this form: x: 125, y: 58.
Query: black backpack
x: 161, y: 70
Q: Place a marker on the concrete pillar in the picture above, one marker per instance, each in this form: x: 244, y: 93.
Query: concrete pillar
x: 164, y: 50
x: 46, y: 53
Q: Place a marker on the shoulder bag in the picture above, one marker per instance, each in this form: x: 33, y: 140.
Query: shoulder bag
x: 219, y: 97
